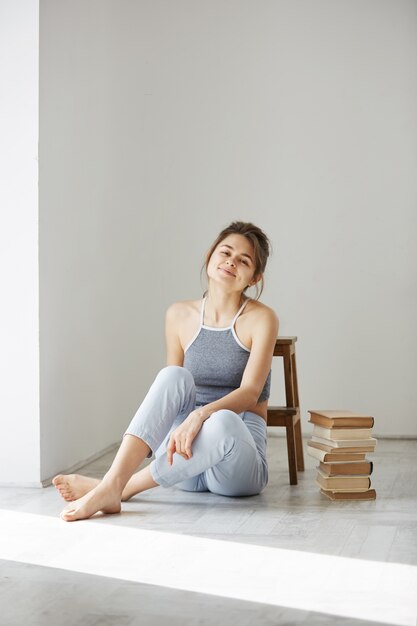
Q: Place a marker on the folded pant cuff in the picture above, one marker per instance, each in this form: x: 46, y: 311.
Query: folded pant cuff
x: 146, y: 438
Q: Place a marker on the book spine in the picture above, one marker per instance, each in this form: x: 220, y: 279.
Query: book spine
x: 337, y: 434
x: 346, y: 468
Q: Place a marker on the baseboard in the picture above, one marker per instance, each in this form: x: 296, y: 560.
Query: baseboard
x: 28, y: 485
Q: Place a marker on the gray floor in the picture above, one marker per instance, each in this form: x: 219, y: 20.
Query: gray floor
x: 293, y: 518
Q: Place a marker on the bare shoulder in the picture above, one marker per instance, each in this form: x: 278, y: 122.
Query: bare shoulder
x: 182, y: 320
x: 257, y: 311
x: 258, y: 322
x: 181, y: 312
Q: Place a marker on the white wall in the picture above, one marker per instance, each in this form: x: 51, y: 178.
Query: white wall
x: 100, y: 338
x: 19, y: 343
x: 162, y: 121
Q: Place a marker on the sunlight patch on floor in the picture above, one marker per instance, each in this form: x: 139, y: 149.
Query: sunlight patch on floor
x: 355, y: 588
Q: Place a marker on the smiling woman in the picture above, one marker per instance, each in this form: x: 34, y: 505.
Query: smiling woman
x: 204, y: 417
x: 232, y: 259
x: 254, y: 254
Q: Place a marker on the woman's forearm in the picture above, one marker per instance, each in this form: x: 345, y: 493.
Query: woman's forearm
x: 239, y: 400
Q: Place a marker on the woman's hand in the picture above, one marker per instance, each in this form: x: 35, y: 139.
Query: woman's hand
x: 183, y: 436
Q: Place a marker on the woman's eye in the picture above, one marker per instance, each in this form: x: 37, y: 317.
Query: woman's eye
x: 224, y: 252
x: 245, y: 262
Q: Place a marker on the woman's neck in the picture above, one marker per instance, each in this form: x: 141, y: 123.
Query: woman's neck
x: 221, y: 306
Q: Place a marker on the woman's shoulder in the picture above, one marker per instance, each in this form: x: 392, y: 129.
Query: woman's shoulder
x: 258, y: 309
x: 183, y: 310
x: 258, y: 322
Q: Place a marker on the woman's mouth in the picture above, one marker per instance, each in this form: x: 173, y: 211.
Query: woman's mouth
x: 227, y: 272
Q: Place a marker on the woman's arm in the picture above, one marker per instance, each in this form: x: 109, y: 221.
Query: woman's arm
x: 174, y: 351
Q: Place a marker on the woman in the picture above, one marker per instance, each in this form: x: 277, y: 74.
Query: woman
x: 204, y: 416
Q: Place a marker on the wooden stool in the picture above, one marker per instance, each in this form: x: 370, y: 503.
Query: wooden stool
x: 289, y: 415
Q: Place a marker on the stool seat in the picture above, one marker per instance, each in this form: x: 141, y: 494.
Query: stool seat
x: 277, y: 414
x: 288, y: 416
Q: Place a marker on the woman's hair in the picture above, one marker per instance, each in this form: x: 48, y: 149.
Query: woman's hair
x: 258, y: 239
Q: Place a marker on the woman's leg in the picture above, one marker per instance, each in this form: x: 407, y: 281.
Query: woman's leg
x: 226, y: 459
x: 106, y: 497
x: 238, y: 444
x: 168, y: 402
x: 229, y: 458
x: 75, y: 486
x: 245, y: 471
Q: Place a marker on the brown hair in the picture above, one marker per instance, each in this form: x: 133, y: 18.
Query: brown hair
x: 258, y: 239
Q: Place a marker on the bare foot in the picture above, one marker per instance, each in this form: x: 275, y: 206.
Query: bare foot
x: 74, y: 486
x: 101, y: 498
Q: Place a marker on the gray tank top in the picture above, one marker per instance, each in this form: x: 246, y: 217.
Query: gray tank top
x: 217, y: 359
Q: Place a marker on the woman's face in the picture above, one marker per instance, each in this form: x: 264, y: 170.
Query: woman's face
x: 233, y: 263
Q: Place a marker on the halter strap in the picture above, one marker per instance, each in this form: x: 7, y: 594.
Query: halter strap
x: 203, y: 304
x: 239, y: 312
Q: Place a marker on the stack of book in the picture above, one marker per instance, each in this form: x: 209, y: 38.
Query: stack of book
x: 340, y: 441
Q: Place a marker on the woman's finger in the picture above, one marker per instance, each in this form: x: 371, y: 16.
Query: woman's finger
x: 170, y: 450
x: 188, y: 443
x: 181, y: 445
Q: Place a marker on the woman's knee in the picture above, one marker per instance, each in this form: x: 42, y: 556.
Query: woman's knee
x: 224, y: 422
x: 174, y: 374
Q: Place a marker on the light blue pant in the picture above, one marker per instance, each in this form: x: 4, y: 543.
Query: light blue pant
x: 229, y: 452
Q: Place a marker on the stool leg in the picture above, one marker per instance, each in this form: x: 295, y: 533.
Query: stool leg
x: 295, y: 379
x: 299, y: 446
x: 292, y: 452
x: 298, y: 435
x: 290, y: 389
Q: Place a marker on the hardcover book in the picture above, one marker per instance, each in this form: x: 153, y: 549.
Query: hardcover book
x: 328, y: 448
x: 343, y: 483
x: 370, y: 443
x: 341, y: 433
x: 340, y: 419
x: 335, y: 455
x: 353, y: 468
x: 350, y: 495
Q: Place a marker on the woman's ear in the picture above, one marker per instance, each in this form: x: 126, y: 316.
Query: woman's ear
x: 255, y: 280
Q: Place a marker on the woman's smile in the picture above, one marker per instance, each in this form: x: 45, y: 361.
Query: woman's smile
x: 227, y: 272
